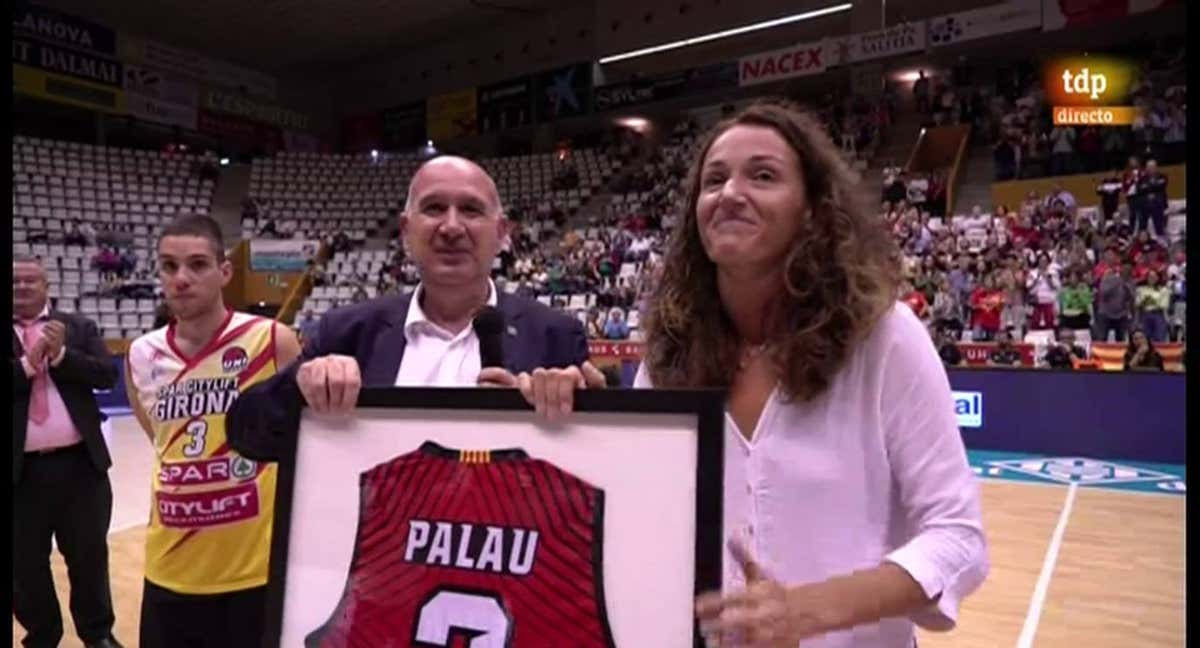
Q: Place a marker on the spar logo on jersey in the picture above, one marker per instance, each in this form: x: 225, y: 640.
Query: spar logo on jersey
x: 242, y: 468
x: 234, y: 359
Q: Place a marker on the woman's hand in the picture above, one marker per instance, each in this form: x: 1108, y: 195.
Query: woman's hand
x: 764, y: 615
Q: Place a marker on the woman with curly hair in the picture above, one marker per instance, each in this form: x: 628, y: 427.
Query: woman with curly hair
x: 849, y: 507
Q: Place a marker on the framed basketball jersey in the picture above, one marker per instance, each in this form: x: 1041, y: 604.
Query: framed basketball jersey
x: 454, y: 518
x: 490, y: 545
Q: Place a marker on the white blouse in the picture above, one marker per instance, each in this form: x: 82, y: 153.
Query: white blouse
x: 872, y: 470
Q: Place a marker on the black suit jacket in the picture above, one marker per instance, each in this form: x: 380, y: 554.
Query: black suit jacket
x: 372, y: 332
x: 86, y: 365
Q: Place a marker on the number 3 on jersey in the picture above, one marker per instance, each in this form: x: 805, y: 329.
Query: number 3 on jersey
x: 197, y: 429
x: 478, y: 617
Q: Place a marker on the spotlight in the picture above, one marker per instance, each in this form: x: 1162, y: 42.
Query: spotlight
x: 224, y: 161
x: 639, y: 124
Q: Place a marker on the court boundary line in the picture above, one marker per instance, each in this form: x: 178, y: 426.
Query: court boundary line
x: 1038, y: 600
x: 1090, y: 487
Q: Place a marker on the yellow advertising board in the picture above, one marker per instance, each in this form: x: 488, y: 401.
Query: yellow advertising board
x: 451, y: 115
x: 63, y: 89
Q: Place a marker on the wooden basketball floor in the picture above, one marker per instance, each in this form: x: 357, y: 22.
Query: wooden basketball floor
x: 1071, y: 566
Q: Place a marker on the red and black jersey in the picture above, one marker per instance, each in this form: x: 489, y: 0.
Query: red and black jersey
x: 478, y: 549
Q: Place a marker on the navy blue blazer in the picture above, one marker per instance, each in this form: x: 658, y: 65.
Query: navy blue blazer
x: 373, y: 333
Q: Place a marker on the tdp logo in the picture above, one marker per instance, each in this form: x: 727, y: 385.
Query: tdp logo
x: 234, y: 359
x: 1086, y: 82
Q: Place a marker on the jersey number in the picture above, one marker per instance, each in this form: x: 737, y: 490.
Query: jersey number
x: 480, y: 618
x: 197, y: 429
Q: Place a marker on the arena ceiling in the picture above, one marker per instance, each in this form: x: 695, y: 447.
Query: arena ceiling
x: 284, y: 37
x: 318, y: 41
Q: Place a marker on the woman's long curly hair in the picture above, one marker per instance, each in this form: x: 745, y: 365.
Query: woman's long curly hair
x: 840, y: 275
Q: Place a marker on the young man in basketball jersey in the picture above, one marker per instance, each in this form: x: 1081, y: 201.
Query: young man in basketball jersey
x: 209, y: 537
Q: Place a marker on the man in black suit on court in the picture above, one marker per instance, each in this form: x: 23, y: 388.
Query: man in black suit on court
x: 452, y: 226
x: 60, y: 465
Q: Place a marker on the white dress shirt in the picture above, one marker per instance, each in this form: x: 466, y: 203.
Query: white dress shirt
x: 435, y: 357
x: 872, y: 470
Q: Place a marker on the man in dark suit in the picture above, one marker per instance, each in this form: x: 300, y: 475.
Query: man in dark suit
x: 60, y: 465
x: 453, y: 227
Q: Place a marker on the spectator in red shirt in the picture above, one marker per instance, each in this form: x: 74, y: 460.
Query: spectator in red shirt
x: 986, y: 303
x: 1152, y: 260
x: 1024, y: 232
x: 915, y: 300
x: 1142, y: 243
x: 1110, y: 260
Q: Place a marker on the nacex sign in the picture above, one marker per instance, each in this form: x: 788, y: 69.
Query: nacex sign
x: 794, y: 61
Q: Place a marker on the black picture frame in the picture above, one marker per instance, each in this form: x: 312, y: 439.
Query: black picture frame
x: 706, y: 404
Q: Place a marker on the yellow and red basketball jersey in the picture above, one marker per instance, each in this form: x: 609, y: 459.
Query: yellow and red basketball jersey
x: 211, y: 509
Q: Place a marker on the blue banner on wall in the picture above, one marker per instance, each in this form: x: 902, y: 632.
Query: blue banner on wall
x: 564, y: 92
x: 1099, y: 415
x: 1070, y: 418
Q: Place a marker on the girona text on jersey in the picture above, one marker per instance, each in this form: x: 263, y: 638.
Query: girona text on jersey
x: 196, y: 397
x: 497, y: 549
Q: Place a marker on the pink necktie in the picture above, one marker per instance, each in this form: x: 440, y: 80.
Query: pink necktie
x: 39, y: 397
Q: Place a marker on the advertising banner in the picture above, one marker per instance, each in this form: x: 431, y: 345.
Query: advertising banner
x: 451, y: 115
x: 48, y: 25
x: 668, y: 86
x: 191, y: 64
x: 1128, y: 416
x: 993, y: 20
x: 798, y: 60
x: 404, y: 126
x: 619, y: 350
x: 564, y: 92
x: 161, y: 97
x: 976, y: 353
x: 1062, y: 14
x: 232, y: 103
x: 291, y: 255
x: 163, y: 86
x: 68, y: 62
x: 162, y: 112
x: 505, y: 105
x: 252, y: 134
x: 893, y: 41
x: 63, y: 89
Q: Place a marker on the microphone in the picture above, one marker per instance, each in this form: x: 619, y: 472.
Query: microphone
x: 489, y: 328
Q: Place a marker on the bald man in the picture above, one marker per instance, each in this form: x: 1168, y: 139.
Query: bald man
x: 452, y: 226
